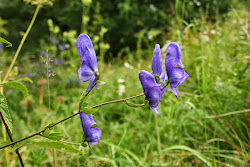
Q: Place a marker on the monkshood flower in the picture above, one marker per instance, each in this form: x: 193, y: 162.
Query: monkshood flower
x: 176, y: 75
x: 92, y: 134
x: 157, y: 67
x: 152, y: 90
x: 89, y: 68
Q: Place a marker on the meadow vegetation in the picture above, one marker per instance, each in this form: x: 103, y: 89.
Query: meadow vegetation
x: 208, y: 125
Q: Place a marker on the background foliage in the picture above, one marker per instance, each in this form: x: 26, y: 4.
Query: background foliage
x: 214, y: 39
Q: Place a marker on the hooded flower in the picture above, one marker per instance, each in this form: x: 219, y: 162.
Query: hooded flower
x: 176, y: 75
x: 89, y: 68
x: 92, y: 134
x: 152, y: 90
x: 157, y: 67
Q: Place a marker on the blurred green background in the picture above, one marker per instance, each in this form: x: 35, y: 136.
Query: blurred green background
x: 190, y: 131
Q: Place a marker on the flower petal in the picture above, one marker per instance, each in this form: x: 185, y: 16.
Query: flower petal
x: 94, y: 136
x: 173, y: 57
x: 157, y: 66
x: 91, y: 83
x: 163, y: 76
x: 174, y: 90
x: 155, y: 109
x: 87, y: 121
x: 177, y: 76
x: 147, y: 81
x: 85, y: 73
x: 154, y: 97
x: 86, y: 51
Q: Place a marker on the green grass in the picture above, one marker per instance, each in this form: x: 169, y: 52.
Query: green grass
x: 181, y: 135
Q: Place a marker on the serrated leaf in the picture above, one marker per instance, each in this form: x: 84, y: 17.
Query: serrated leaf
x: 42, y: 141
x: 5, y: 112
x: 88, y: 111
x: 18, y: 86
x: 2, y: 40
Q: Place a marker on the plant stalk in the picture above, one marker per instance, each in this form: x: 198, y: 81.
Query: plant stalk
x: 39, y: 133
x: 6, y: 77
x: 21, y: 43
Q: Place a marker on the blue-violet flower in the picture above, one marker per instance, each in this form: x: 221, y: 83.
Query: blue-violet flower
x: 152, y: 90
x: 176, y: 75
x: 92, y: 134
x: 89, y: 67
x: 157, y: 67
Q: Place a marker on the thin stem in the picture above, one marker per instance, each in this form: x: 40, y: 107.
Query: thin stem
x: 11, y: 139
x: 39, y: 133
x: 21, y: 43
x: 6, y: 151
x: 116, y: 101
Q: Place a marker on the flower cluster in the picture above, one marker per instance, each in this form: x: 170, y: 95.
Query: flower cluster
x: 154, y: 85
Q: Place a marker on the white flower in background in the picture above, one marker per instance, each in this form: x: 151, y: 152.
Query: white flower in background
x: 213, y: 32
x: 120, y: 80
x: 128, y: 65
x: 206, y: 38
x: 121, y: 89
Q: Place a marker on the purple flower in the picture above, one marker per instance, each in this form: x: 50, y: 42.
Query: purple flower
x: 152, y: 90
x: 89, y: 68
x: 176, y: 75
x: 92, y: 134
x: 63, y: 47
x: 157, y: 67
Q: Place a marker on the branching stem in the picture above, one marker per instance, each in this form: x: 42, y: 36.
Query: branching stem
x: 39, y: 133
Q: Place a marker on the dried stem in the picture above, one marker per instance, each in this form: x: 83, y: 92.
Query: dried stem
x: 11, y: 139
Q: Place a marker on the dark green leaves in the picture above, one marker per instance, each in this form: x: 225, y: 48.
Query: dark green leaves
x: 18, y: 86
x: 2, y: 40
x: 5, y: 112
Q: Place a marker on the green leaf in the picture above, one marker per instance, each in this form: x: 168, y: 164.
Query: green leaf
x: 27, y: 79
x: 82, y: 99
x: 38, y: 157
x: 101, y: 82
x: 88, y: 111
x: 5, y: 112
x: 18, y: 86
x: 2, y: 40
x: 42, y: 141
x: 196, y: 153
x: 130, y: 104
x: 55, y: 136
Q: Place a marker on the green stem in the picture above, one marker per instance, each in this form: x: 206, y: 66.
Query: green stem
x: 21, y: 43
x: 39, y: 133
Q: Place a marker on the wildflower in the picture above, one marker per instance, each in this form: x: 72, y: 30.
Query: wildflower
x: 176, y: 75
x: 89, y: 68
x: 127, y: 65
x: 63, y: 47
x: 152, y: 90
x: 92, y: 134
x: 157, y: 67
